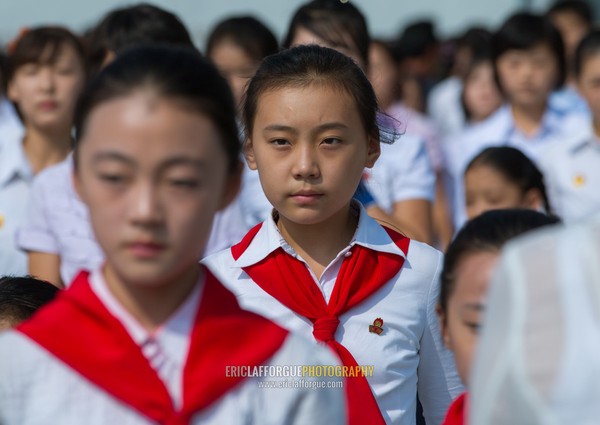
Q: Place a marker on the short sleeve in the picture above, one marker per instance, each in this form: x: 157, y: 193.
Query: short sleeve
x: 403, y: 172
x: 35, y: 234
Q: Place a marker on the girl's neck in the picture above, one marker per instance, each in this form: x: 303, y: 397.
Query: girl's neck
x: 528, y: 119
x: 44, y: 148
x: 152, y: 305
x: 318, y: 244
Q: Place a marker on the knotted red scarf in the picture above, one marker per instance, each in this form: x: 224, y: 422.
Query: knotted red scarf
x: 79, y: 330
x: 362, y: 273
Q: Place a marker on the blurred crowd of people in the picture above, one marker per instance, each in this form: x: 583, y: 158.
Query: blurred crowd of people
x: 483, y: 137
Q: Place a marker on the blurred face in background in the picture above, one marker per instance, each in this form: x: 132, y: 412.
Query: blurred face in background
x: 481, y: 96
x: 46, y: 91
x: 383, y: 75
x: 527, y: 77
x: 236, y: 66
x: 572, y: 30
x: 588, y: 84
x: 303, y: 36
x: 462, y: 320
x: 487, y: 189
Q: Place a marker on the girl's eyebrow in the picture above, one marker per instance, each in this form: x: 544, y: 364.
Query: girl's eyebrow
x: 170, y: 162
x: 322, y: 127
x: 112, y: 156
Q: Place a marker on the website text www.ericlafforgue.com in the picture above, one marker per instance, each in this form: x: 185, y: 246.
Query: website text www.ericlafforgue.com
x: 299, y: 376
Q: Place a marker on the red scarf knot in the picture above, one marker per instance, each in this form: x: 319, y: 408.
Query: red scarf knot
x: 324, y: 328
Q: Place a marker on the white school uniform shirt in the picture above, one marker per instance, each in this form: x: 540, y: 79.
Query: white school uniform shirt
x: 57, y: 222
x: 445, y: 107
x: 499, y: 130
x: 408, y: 356
x: 403, y: 172
x: 16, y: 176
x: 572, y: 174
x: 10, y: 123
x: 418, y: 125
x: 36, y: 387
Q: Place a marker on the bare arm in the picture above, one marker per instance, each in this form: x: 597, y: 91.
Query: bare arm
x: 45, y: 266
x: 412, y: 217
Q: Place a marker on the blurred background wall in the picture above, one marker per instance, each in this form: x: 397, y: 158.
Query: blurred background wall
x: 386, y: 17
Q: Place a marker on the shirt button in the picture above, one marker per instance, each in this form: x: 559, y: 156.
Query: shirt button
x: 348, y: 254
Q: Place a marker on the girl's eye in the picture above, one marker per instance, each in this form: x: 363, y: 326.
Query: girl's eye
x: 65, y: 71
x: 112, y: 178
x: 332, y: 141
x: 184, y: 183
x: 279, y: 142
x: 474, y: 327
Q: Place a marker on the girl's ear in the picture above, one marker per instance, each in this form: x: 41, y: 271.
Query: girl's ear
x: 533, y: 200
x: 232, y: 186
x: 248, y: 151
x: 373, y: 151
x: 443, y: 326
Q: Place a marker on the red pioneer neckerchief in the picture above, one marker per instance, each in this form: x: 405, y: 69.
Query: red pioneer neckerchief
x: 362, y: 273
x: 456, y: 412
x: 79, y: 330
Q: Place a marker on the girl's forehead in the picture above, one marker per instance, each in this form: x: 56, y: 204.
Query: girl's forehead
x: 49, y: 53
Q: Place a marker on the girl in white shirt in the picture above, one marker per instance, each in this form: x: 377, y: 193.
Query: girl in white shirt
x: 152, y: 336
x: 319, y: 265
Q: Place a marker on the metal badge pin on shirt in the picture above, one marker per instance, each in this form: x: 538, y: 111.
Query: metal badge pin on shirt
x: 578, y: 180
x: 377, y: 326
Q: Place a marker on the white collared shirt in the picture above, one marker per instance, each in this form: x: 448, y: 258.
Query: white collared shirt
x: 408, y: 356
x: 166, y: 349
x: 36, y: 386
x: 16, y: 176
x: 403, y: 172
x: 499, y: 130
x: 11, y: 126
x: 57, y: 222
x: 445, y: 108
x: 572, y: 174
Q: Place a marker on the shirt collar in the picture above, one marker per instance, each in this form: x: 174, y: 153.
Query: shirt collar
x: 551, y: 122
x: 14, y: 163
x: 180, y: 322
x: 369, y: 234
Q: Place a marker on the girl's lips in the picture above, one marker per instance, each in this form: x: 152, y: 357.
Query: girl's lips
x: 48, y: 105
x: 145, y: 249
x: 306, y: 198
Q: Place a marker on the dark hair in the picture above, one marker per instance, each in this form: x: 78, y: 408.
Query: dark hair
x: 524, y: 31
x: 476, y: 61
x: 20, y: 297
x: 246, y: 32
x: 335, y: 22
x: 589, y: 46
x: 416, y: 39
x: 487, y: 232
x: 578, y: 7
x: 303, y: 66
x: 515, y: 166
x: 134, y: 25
x: 477, y: 40
x: 172, y: 72
x: 42, y: 45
